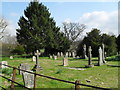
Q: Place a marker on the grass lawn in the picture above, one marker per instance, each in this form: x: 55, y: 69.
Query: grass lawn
x: 102, y: 76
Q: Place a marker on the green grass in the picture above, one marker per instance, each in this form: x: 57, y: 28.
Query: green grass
x: 101, y: 76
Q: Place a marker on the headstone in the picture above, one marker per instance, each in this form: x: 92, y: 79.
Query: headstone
x: 73, y: 54
x: 55, y: 57
x: 28, y: 79
x: 11, y: 57
x: 69, y: 54
x: 100, y: 61
x: 61, y: 54
x: 103, y: 53
x: 3, y: 66
x: 24, y: 66
x: 50, y: 57
x: 58, y: 54
x: 89, y: 56
x: 84, y: 52
x: 65, y: 61
x: 66, y: 54
x: 37, y: 67
x: 34, y: 59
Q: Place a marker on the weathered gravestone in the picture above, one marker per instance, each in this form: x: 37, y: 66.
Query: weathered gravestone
x: 34, y: 59
x: 73, y: 54
x: 55, y: 57
x: 66, y: 55
x: 37, y: 67
x: 89, y: 57
x: 3, y: 66
x: 69, y: 54
x: 50, y: 57
x: 58, y: 54
x: 11, y: 57
x: 61, y: 54
x: 84, y: 52
x: 28, y: 79
x: 103, y: 53
x: 24, y: 66
x: 100, y: 58
x: 65, y: 61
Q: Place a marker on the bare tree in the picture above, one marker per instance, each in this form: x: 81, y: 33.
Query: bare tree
x: 73, y: 31
x: 3, y: 25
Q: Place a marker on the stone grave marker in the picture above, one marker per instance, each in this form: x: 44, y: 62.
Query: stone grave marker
x: 34, y: 59
x: 103, y: 53
x: 24, y: 66
x: 65, y: 61
x: 61, y: 54
x: 51, y: 57
x: 3, y: 62
x: 55, y: 57
x: 69, y: 54
x: 100, y: 61
x: 84, y: 52
x: 66, y: 54
x: 11, y: 57
x: 58, y: 54
x: 73, y: 54
x: 28, y: 79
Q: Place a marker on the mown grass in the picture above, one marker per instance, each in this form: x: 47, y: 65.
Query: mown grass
x: 101, y: 76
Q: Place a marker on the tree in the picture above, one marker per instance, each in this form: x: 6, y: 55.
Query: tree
x: 38, y: 30
x: 96, y: 39
x: 118, y: 43
x: 3, y: 25
x: 73, y: 31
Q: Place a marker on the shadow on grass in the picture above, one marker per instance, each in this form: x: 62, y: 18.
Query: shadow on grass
x: 113, y: 65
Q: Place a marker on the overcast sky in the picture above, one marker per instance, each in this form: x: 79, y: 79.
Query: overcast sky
x: 101, y: 15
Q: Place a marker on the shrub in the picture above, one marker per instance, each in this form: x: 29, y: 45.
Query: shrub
x: 7, y: 71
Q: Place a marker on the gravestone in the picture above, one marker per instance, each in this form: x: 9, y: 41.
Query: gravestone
x: 55, y: 57
x: 11, y: 57
x: 28, y: 79
x: 34, y: 59
x: 103, y: 53
x: 66, y: 54
x: 61, y: 54
x: 51, y: 57
x: 89, y: 57
x: 69, y: 54
x: 73, y: 54
x: 100, y: 58
x: 24, y: 66
x: 65, y: 61
x: 84, y: 52
x: 37, y: 67
x: 3, y: 62
x: 58, y: 54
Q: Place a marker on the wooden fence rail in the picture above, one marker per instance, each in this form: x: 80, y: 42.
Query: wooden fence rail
x: 76, y: 83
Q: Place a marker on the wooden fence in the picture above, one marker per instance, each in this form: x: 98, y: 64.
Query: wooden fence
x: 76, y: 83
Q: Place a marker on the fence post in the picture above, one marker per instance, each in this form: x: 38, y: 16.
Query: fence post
x: 77, y: 87
x: 13, y: 78
x: 35, y: 81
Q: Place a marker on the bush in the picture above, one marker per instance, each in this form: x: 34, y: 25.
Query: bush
x: 7, y: 71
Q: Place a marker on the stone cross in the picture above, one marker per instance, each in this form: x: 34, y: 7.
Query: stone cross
x: 89, y: 56
x: 28, y: 79
x: 65, y: 61
x: 100, y: 61
x: 84, y: 52
x: 3, y: 62
x: 37, y: 54
x: 24, y: 66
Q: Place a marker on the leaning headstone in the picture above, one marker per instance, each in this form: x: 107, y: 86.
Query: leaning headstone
x: 24, y: 66
x: 84, y: 52
x: 28, y: 79
x: 65, y: 61
x: 100, y: 61
x: 3, y: 66
x: 11, y: 57
x: 34, y: 59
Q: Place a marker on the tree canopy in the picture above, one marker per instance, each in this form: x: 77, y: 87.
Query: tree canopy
x: 38, y: 30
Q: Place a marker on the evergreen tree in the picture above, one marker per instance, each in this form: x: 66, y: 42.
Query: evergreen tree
x: 37, y: 29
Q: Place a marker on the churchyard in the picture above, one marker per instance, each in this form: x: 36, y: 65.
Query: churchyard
x: 102, y: 76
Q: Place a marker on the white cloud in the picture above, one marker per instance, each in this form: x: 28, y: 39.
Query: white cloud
x: 13, y: 14
x: 107, y: 22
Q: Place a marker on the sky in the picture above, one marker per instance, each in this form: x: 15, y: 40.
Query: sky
x: 100, y: 15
